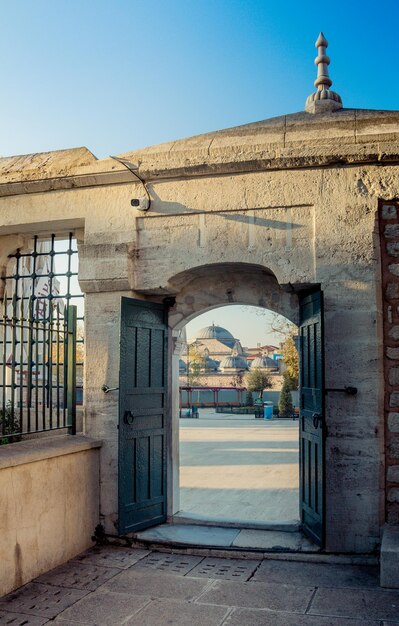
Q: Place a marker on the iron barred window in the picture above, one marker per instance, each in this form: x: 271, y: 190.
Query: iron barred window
x: 41, y: 339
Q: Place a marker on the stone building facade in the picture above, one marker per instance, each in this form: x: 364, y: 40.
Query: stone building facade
x: 271, y: 209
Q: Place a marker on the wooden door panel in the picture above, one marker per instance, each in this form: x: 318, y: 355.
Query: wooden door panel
x: 312, y: 424
x: 142, y: 415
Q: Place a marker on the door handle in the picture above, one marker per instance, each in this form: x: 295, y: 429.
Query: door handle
x: 128, y: 418
x: 317, y: 419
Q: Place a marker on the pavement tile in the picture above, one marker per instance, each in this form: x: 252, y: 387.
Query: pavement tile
x: 157, y: 585
x: 369, y: 603
x: 317, y: 574
x: 162, y: 612
x: 259, y: 596
x: 267, y: 540
x: 192, y: 535
x: 112, y: 556
x: 170, y: 563
x: 78, y: 576
x: 103, y: 608
x: 18, y: 619
x: 226, y: 569
x: 40, y: 600
x: 245, y: 617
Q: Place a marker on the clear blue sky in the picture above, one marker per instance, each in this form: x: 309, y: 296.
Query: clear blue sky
x: 116, y: 75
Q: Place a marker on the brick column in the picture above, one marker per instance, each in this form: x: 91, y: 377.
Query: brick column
x: 389, y: 237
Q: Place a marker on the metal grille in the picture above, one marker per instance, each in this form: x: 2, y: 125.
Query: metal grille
x: 38, y: 339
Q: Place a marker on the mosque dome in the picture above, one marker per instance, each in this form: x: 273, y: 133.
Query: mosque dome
x: 234, y: 362
x: 216, y: 332
x: 263, y: 362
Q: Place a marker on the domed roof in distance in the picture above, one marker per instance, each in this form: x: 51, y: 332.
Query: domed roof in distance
x: 263, y: 361
x: 234, y: 362
x: 216, y: 332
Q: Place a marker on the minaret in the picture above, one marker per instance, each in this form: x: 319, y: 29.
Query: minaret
x: 323, y: 100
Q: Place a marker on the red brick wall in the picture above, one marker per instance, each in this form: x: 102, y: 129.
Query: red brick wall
x: 389, y: 237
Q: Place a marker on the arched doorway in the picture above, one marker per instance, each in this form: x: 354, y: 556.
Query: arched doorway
x: 236, y: 466
x: 153, y: 435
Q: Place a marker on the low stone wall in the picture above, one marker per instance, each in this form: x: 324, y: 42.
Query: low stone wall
x: 49, y: 504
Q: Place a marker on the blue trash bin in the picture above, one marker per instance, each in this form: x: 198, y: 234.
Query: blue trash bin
x: 268, y: 410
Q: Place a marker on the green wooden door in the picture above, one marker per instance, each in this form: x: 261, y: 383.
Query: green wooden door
x: 312, y: 424
x: 142, y: 415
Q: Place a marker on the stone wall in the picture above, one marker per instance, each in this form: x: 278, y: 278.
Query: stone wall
x: 389, y: 234
x: 49, y: 505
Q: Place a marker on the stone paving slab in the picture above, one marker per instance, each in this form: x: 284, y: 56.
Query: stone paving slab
x: 18, y: 619
x: 317, y: 574
x: 103, y: 607
x: 112, y: 556
x: 259, y: 596
x: 368, y: 603
x: 193, y: 535
x: 78, y: 576
x: 227, y: 569
x: 245, y: 617
x: 157, y: 585
x: 274, y: 540
x: 179, y: 564
x: 40, y: 600
x: 162, y: 612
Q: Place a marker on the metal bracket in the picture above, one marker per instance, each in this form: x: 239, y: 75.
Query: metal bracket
x: 107, y: 389
x: 350, y: 391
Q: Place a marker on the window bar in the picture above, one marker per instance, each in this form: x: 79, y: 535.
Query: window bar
x: 13, y: 355
x: 4, y: 380
x: 21, y: 359
x: 65, y: 363
x: 50, y: 338
x: 29, y: 353
x: 37, y: 365
x: 58, y: 363
x: 71, y: 370
x: 44, y: 365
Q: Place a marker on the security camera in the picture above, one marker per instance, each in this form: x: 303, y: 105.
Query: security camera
x: 142, y: 204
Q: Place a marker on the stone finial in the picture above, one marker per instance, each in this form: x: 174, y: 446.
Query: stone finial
x: 322, y: 100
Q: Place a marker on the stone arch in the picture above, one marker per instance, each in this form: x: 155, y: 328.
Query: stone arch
x: 206, y: 287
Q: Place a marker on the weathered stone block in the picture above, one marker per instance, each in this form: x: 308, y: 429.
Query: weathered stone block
x: 393, y: 248
x: 394, y: 268
x: 389, y: 314
x: 394, y: 399
x: 394, y: 333
x: 394, y: 373
x: 389, y: 563
x: 393, y: 495
x: 393, y: 422
x: 391, y: 230
x: 393, y: 449
x: 393, y: 353
x: 393, y: 474
x: 392, y: 291
x: 389, y: 212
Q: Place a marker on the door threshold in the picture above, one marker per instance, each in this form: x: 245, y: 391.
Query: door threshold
x: 228, y: 539
x: 183, y: 517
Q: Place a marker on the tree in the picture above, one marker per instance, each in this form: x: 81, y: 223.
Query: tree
x: 291, y: 362
x: 285, y: 406
x: 249, y: 399
x: 257, y: 380
x: 195, y: 366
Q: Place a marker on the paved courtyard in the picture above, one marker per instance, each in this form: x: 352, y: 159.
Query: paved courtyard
x: 112, y: 585
x: 239, y: 468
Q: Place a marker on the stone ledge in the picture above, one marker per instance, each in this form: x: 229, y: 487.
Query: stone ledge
x: 32, y: 450
x: 389, y: 563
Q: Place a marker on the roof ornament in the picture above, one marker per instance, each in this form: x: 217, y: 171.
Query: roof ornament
x: 323, y: 100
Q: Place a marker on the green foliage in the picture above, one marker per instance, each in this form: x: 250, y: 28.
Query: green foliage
x: 285, y: 405
x: 195, y: 366
x: 249, y: 399
x: 9, y: 425
x: 291, y: 362
x: 257, y: 380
